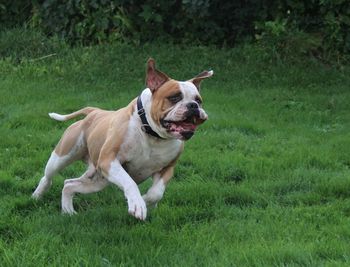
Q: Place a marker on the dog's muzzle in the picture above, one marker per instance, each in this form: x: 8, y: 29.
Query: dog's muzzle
x: 184, y: 129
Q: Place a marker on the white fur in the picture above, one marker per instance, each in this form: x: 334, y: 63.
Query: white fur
x: 90, y: 181
x: 136, y: 204
x: 146, y: 155
x: 57, y: 117
x: 155, y: 192
x: 55, y: 164
x: 189, y: 91
x: 51, y: 168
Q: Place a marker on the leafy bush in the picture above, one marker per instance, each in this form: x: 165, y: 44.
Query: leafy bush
x: 14, y: 12
x: 281, y: 40
x: 81, y: 21
x: 91, y: 21
x: 318, y: 27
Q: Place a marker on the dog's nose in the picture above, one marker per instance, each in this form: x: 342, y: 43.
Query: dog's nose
x: 192, y: 105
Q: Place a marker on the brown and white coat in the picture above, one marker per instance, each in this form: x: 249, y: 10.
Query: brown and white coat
x: 118, y: 151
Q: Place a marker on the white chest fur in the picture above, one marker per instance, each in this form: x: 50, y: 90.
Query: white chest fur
x: 143, y: 155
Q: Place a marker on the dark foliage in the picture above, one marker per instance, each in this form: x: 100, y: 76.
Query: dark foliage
x: 14, y: 12
x: 317, y: 27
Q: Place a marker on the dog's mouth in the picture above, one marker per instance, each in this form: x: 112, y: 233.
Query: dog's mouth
x: 183, y: 129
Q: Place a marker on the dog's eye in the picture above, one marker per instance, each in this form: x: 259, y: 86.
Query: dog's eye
x: 175, y: 98
x: 198, y: 100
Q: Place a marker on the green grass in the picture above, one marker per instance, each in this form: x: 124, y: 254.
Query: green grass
x: 264, y: 182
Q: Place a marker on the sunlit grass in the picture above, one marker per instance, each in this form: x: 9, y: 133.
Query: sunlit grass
x: 264, y: 182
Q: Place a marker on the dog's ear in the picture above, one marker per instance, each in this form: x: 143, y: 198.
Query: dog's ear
x: 154, y: 77
x: 198, y: 79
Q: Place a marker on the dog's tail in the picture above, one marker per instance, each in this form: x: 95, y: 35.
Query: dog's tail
x: 83, y: 111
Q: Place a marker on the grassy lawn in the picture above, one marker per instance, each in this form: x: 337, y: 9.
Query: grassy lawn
x: 264, y: 182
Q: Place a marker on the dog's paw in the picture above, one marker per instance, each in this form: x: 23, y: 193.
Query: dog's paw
x: 151, y: 203
x: 36, y: 196
x: 137, y: 207
x: 68, y: 210
x: 67, y: 205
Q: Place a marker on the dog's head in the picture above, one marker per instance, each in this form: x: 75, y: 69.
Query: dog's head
x: 175, y: 107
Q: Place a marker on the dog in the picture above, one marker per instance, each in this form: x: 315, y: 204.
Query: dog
x: 127, y: 146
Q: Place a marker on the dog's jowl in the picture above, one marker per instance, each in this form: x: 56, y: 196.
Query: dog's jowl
x: 127, y: 146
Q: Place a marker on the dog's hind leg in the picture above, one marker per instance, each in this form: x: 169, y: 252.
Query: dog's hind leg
x: 53, y: 166
x: 91, y: 181
x: 69, y: 149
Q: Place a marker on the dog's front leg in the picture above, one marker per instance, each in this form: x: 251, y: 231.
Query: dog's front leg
x: 118, y: 176
x: 156, y: 191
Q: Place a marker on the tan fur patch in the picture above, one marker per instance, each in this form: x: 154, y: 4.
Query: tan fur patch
x: 118, y: 125
x: 160, y: 103
x: 103, y: 132
x: 69, y: 139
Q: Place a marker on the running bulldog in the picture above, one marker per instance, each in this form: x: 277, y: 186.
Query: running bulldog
x: 127, y: 146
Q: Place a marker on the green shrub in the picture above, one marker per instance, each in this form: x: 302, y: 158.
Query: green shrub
x: 81, y: 21
x: 281, y: 40
x: 14, y: 13
x: 319, y: 28
x: 96, y: 21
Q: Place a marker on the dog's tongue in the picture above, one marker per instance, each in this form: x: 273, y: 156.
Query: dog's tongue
x: 181, y: 127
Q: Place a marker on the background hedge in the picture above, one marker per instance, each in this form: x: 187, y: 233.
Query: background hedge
x: 319, y: 27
